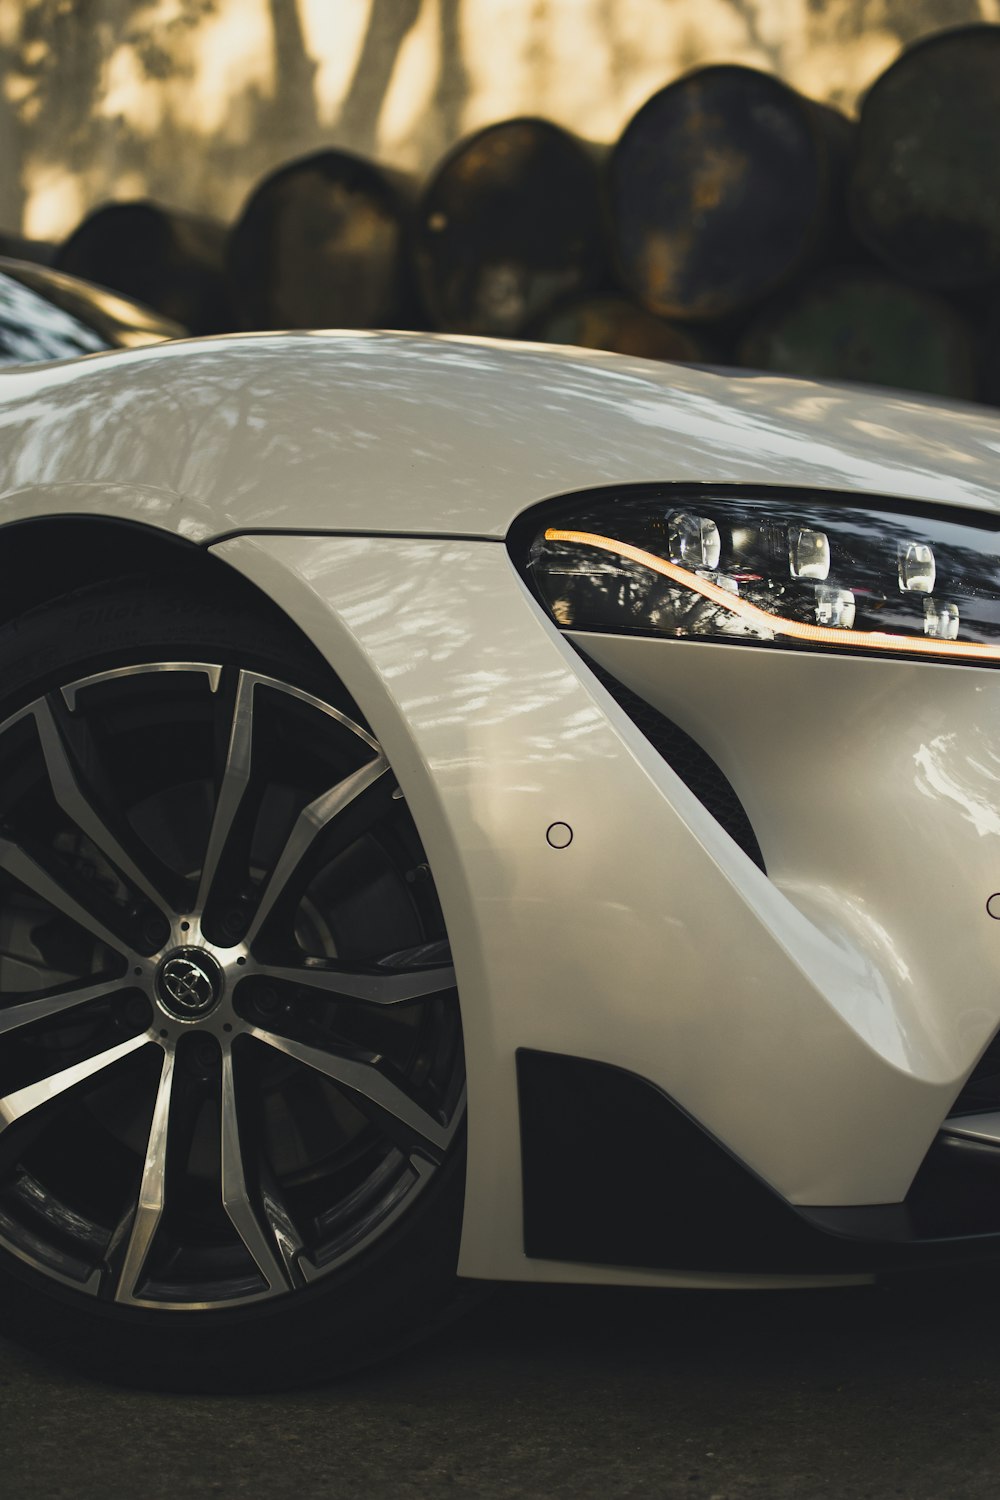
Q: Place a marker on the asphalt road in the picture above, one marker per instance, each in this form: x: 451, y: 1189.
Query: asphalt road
x: 569, y: 1393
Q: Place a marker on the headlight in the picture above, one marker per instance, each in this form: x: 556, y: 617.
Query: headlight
x: 783, y: 569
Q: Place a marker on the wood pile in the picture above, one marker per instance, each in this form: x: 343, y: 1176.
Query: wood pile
x: 510, y: 222
x: 734, y: 221
x: 723, y: 187
x: 323, y: 243
x: 172, y: 261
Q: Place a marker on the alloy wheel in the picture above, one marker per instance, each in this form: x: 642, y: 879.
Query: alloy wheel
x: 230, y: 1046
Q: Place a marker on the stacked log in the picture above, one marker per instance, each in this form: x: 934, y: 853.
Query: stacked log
x: 172, y: 261
x: 923, y: 193
x: 615, y: 323
x: 510, y: 222
x: 732, y: 213
x: 724, y: 185
x: 862, y: 325
x: 323, y: 243
x: 37, y: 252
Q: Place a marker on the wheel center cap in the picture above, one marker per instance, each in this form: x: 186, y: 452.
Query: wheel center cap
x: 189, y: 983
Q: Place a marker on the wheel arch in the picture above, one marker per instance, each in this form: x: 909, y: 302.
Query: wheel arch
x: 45, y: 557
x: 418, y: 1269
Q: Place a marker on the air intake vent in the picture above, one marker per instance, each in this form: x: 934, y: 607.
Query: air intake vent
x: 982, y: 1088
x: 692, y: 764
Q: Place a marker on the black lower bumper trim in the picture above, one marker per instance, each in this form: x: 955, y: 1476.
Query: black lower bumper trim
x: 616, y: 1173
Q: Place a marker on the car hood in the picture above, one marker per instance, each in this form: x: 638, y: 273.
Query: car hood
x: 424, y: 435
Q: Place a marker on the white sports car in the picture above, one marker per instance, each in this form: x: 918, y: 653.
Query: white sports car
x: 475, y: 812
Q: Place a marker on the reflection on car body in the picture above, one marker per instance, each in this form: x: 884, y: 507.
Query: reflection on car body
x: 474, y: 812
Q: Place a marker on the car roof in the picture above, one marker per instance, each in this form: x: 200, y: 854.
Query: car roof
x: 433, y: 435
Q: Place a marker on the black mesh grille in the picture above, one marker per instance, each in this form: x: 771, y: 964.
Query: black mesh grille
x: 692, y: 764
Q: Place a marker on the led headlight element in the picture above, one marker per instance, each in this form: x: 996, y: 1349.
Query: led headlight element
x: 941, y: 620
x: 916, y: 568
x: 808, y: 553
x: 836, y: 607
x: 792, y: 569
x: 693, y: 541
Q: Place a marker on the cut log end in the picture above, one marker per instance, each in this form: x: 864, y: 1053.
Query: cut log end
x: 171, y: 261
x: 510, y: 223
x: 321, y: 243
x: 923, y: 192
x: 617, y: 324
x: 863, y: 326
x: 723, y: 185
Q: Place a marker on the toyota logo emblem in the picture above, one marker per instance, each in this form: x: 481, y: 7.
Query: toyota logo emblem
x: 186, y: 985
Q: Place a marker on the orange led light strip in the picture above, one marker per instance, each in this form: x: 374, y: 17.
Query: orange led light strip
x: 824, y: 635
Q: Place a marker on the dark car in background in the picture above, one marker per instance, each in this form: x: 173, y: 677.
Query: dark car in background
x: 46, y: 315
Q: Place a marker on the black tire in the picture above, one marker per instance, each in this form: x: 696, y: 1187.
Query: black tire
x: 344, y: 1247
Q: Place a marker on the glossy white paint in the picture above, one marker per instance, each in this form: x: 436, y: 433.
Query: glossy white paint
x: 652, y: 941
x: 408, y: 433
x: 874, y: 789
x: 819, y: 1022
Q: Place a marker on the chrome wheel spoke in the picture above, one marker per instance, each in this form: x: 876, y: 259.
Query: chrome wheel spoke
x: 41, y: 1007
x: 259, y: 1237
x: 82, y: 805
x: 279, y: 1221
x: 22, y: 1102
x: 376, y: 986
x: 366, y: 1081
x: 235, y: 780
x: 152, y: 1188
x: 52, y: 889
x: 310, y: 823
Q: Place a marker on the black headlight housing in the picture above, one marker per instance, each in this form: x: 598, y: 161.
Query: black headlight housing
x: 769, y: 566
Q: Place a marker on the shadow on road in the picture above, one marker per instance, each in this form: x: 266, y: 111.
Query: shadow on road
x: 575, y: 1392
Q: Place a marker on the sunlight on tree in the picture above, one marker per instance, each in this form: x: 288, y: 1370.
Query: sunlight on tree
x: 192, y: 101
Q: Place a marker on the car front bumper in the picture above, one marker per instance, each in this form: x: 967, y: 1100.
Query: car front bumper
x: 817, y: 1021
